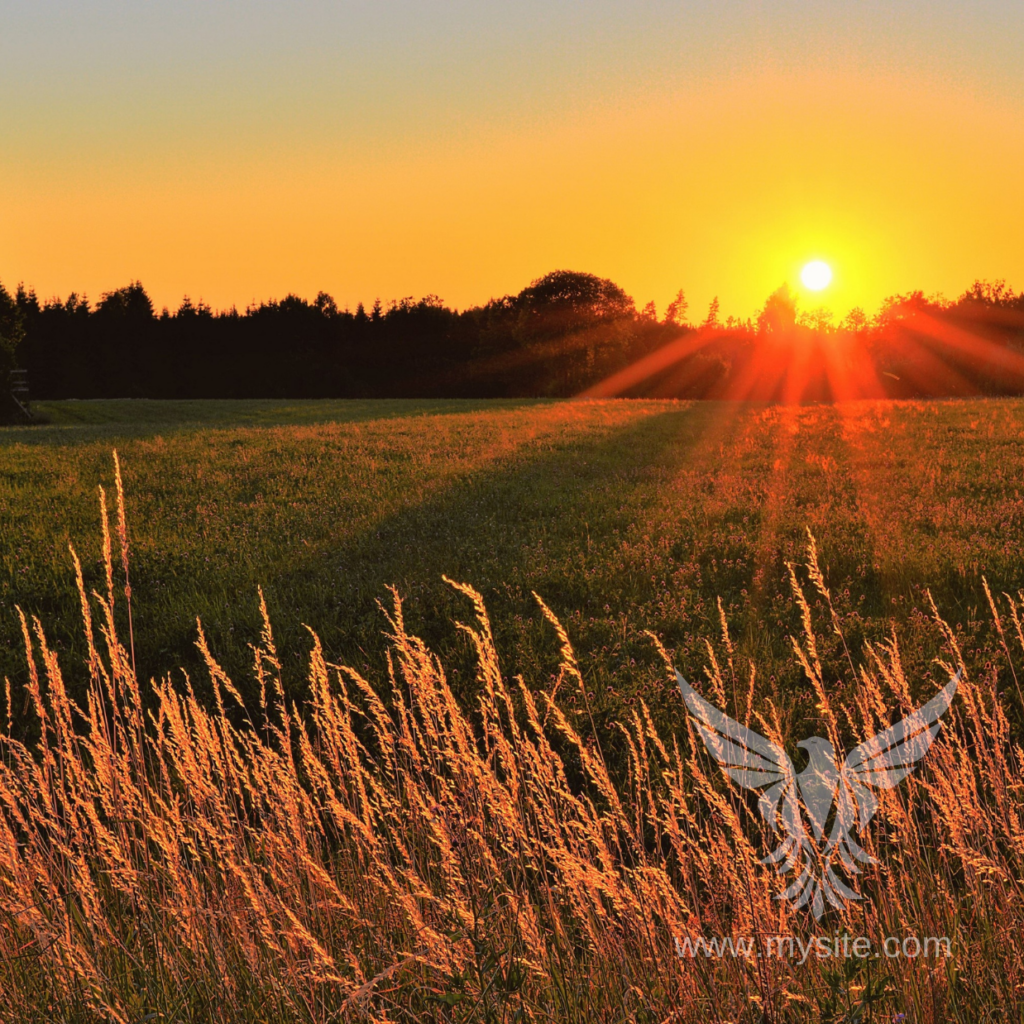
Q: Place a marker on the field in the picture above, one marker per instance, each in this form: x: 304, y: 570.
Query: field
x: 676, y: 518
x: 624, y: 517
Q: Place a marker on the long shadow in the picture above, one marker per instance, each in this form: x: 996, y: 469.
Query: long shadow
x: 555, y: 522
x: 566, y: 516
x: 333, y: 588
x: 85, y: 422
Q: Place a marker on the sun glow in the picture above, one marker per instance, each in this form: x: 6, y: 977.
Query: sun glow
x: 816, y: 275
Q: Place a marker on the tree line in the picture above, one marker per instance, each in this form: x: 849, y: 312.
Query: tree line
x: 563, y: 335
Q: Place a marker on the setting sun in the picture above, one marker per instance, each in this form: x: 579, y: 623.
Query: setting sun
x: 816, y: 275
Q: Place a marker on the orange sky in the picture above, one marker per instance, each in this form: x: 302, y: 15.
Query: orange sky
x: 247, y: 183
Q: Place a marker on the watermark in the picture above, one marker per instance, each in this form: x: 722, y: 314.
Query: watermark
x: 815, y: 812
x: 814, y: 947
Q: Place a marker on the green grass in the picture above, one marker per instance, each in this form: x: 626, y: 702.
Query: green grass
x: 145, y: 413
x: 624, y: 515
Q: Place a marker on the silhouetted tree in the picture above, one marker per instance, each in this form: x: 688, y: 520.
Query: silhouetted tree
x: 562, y: 334
x: 12, y: 331
x: 856, y: 321
x: 576, y: 326
x: 566, y: 300
x: 675, y: 312
x: 819, y: 319
x: 779, y: 313
x: 993, y: 294
x: 122, y: 326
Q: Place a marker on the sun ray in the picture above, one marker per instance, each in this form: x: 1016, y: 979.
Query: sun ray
x: 645, y: 368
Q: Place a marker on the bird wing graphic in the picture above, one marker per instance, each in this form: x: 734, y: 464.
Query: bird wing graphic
x: 755, y: 763
x: 758, y: 764
x: 886, y: 759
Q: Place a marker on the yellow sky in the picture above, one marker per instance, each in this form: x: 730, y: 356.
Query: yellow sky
x: 720, y: 184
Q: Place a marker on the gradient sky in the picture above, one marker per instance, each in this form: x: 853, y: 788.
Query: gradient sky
x: 236, y: 151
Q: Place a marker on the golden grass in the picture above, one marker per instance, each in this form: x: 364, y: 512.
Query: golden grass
x: 384, y: 853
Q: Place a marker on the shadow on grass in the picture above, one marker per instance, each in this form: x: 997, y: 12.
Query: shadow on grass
x: 553, y: 521
x: 596, y: 522
x: 557, y: 523
x: 82, y: 421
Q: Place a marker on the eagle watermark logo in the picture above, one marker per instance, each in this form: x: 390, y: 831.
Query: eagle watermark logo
x: 786, y: 797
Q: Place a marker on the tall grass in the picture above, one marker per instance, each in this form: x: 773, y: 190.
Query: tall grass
x: 385, y: 853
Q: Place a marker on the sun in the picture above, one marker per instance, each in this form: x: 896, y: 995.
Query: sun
x: 816, y: 275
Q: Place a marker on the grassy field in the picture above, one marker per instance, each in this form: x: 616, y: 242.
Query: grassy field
x: 460, y: 847
x: 624, y: 516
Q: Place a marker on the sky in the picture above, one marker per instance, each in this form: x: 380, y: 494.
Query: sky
x: 240, y: 150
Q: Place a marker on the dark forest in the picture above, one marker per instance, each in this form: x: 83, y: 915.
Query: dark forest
x: 565, y: 334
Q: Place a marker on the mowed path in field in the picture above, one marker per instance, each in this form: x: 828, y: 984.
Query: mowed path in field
x: 624, y: 515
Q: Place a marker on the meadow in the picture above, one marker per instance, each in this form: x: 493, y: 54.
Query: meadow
x: 421, y: 837
x: 624, y: 516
